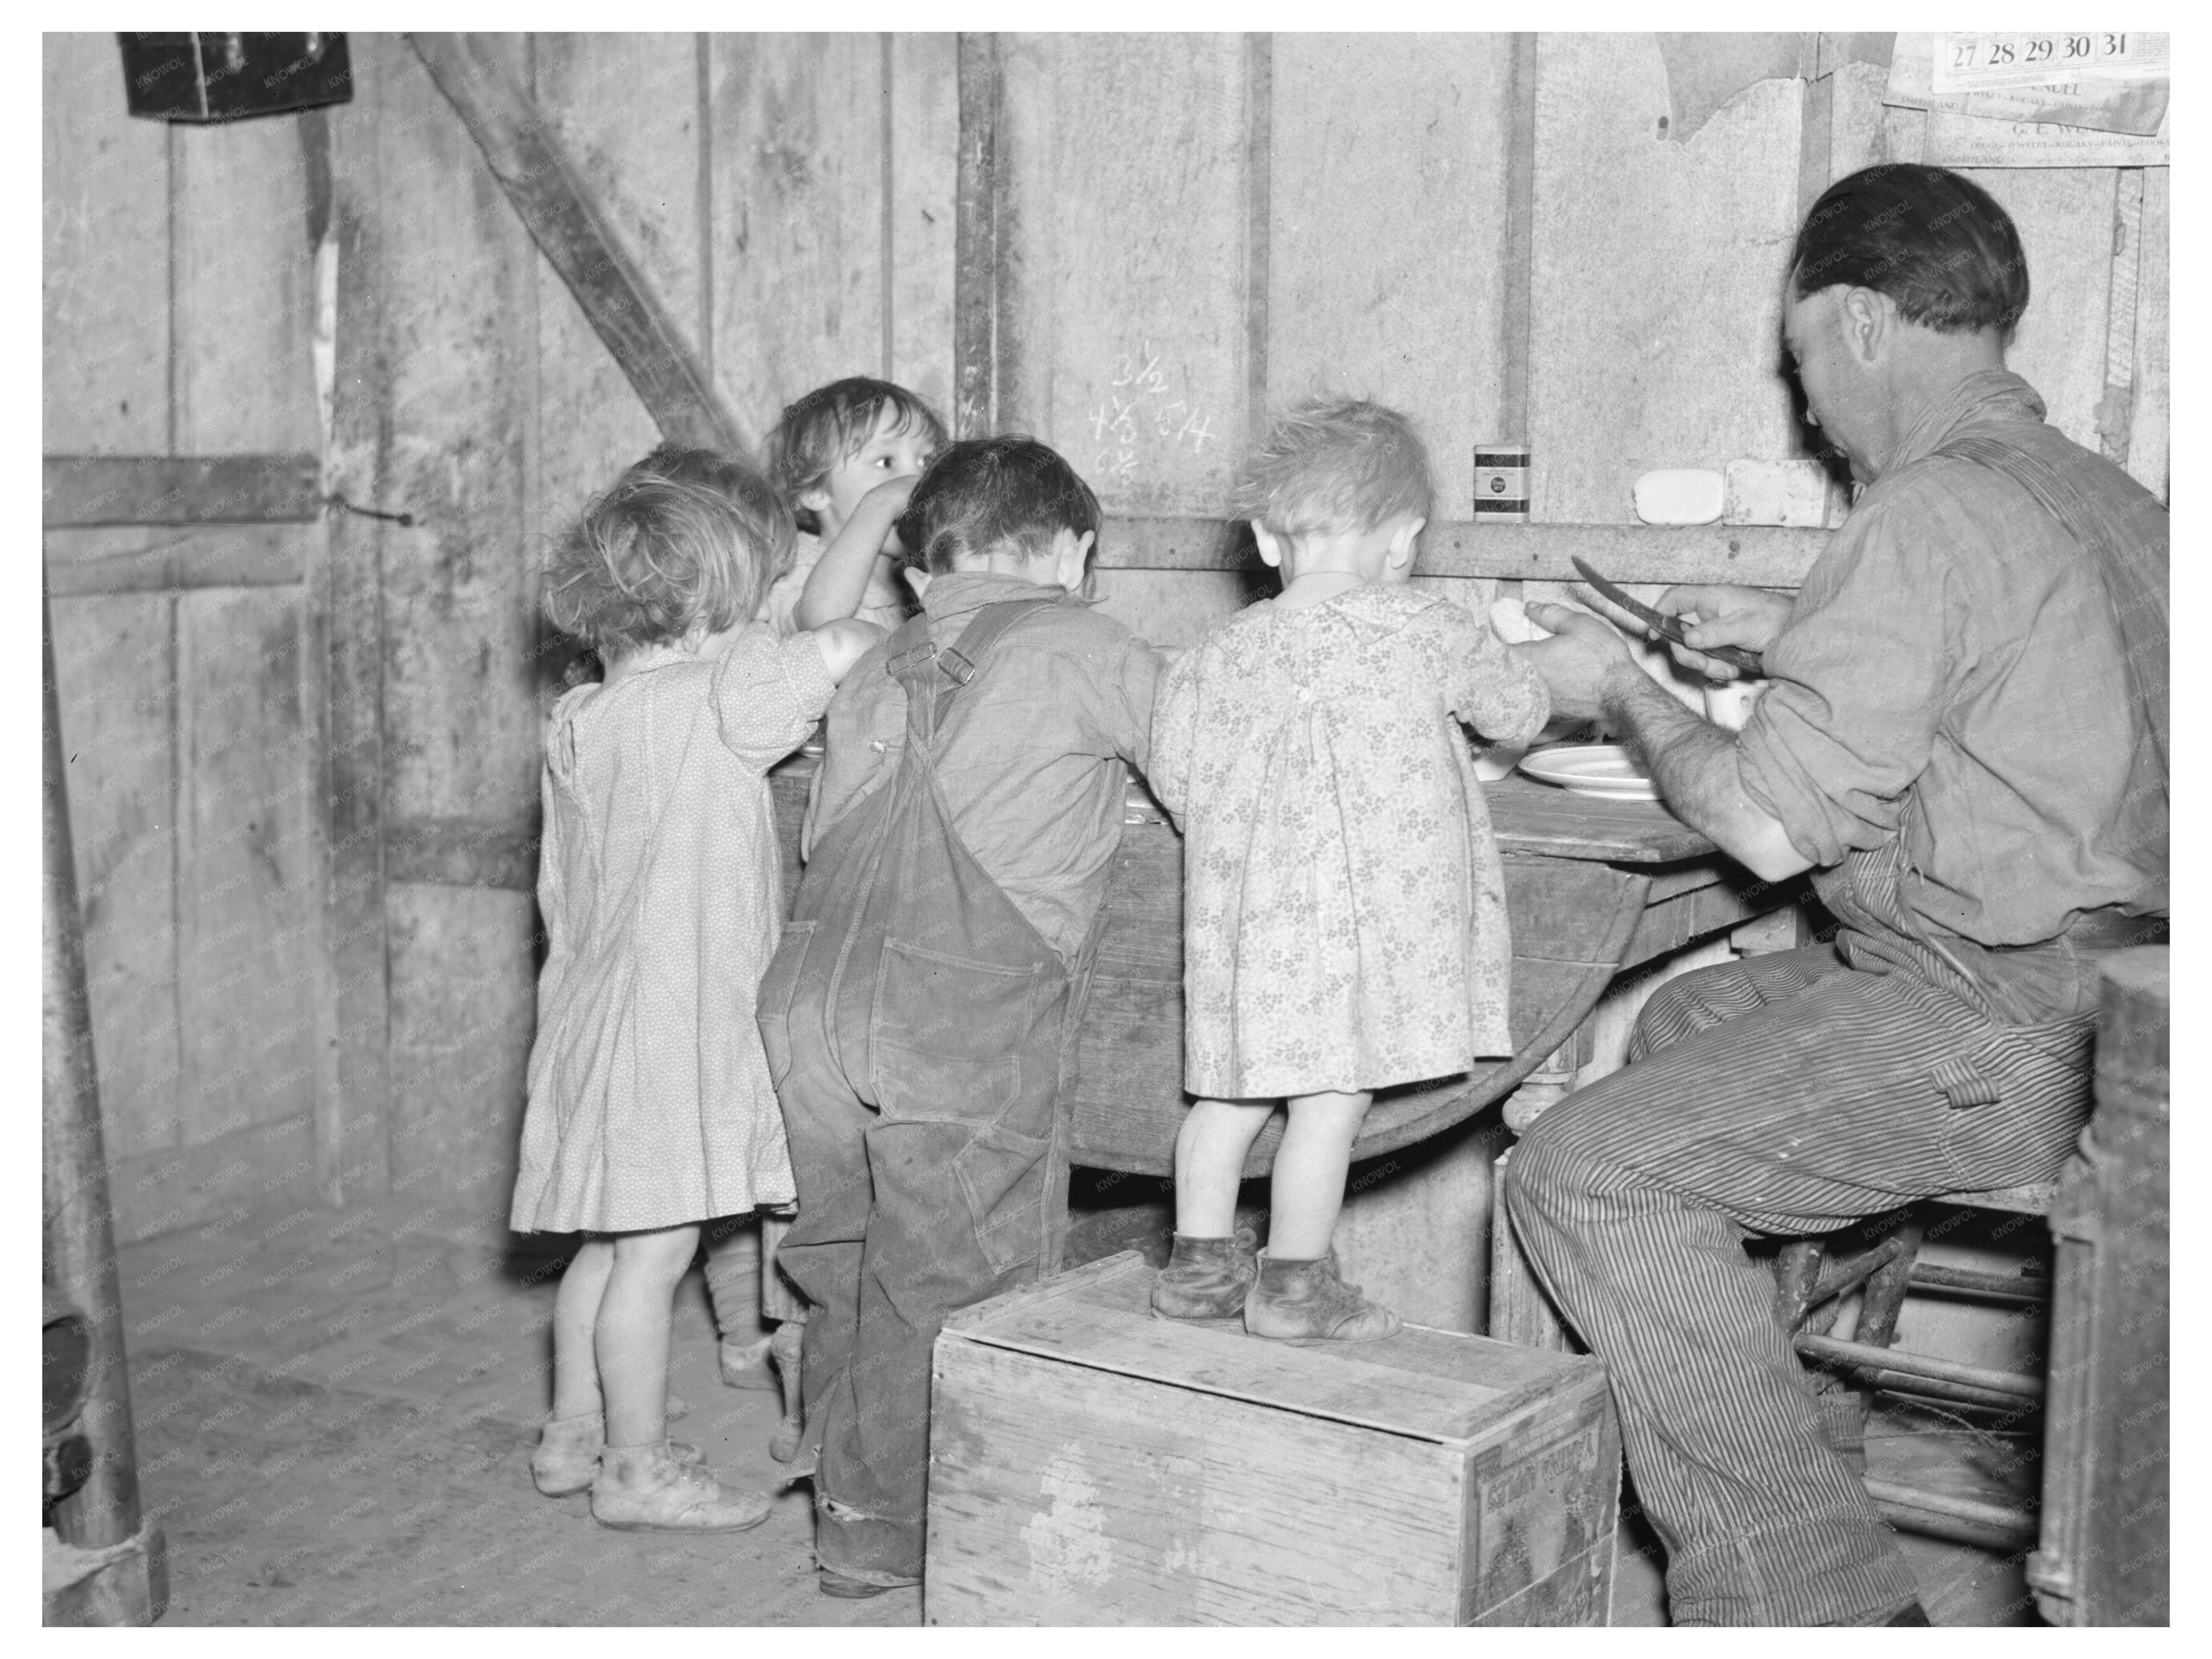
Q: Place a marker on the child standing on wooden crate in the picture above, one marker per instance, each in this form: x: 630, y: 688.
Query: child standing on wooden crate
x: 922, y: 1014
x: 845, y: 457
x: 1344, y: 906
x: 650, y: 1106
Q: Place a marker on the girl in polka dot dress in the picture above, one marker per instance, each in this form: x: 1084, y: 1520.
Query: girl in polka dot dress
x: 650, y: 1108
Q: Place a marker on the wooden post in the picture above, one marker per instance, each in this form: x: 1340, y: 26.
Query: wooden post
x: 527, y: 158
x: 127, y: 1580
x: 2105, y: 1557
x: 979, y: 201
x: 344, y: 608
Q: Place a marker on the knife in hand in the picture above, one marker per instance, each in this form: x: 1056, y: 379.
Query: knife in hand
x: 1670, y: 628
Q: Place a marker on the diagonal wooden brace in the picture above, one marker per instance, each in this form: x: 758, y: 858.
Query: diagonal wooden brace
x: 526, y: 156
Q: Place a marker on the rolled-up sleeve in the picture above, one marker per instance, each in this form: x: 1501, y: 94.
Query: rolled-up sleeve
x: 1848, y: 724
x: 768, y: 693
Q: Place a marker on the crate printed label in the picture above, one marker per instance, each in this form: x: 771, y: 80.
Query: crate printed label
x: 1993, y: 61
x: 1533, y: 1518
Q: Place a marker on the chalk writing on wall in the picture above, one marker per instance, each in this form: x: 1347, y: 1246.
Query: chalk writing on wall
x: 1139, y: 410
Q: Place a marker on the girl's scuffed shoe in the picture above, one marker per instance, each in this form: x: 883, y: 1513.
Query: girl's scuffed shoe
x: 646, y: 1489
x: 568, y: 1455
x: 1206, y: 1279
x: 1292, y: 1299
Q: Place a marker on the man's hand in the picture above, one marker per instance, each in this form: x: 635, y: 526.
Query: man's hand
x: 1591, y: 676
x: 1582, y: 659
x: 1726, y: 615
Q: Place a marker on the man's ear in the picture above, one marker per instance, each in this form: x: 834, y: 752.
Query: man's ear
x: 1401, y: 543
x: 1271, y: 550
x: 1866, y: 318
x: 918, y: 579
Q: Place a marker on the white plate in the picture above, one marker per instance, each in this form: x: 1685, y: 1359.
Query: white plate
x: 1603, y: 770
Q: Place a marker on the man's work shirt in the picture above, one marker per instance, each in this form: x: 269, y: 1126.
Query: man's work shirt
x: 1033, y: 757
x: 1952, y: 675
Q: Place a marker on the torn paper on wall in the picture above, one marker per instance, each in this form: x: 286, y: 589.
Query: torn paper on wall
x: 2105, y: 84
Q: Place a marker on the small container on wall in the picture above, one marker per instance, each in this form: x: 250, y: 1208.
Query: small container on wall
x: 204, y: 78
x: 1501, y: 484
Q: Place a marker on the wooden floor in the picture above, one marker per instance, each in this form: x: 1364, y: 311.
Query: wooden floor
x: 334, y: 1410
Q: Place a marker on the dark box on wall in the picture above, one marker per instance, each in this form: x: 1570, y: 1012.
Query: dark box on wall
x: 1091, y: 1465
x: 223, y: 77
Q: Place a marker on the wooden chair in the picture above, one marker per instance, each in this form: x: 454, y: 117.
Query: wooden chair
x: 1813, y: 1279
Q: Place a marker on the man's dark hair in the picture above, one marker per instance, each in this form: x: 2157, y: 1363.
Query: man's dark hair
x: 986, y: 493
x: 1934, y: 242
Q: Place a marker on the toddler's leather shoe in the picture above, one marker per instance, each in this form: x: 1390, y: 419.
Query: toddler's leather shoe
x: 1292, y: 1299
x: 1206, y: 1279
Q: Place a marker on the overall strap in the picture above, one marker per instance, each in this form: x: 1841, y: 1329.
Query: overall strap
x: 934, y: 677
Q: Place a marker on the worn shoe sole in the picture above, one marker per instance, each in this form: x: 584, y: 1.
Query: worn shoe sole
x: 846, y: 1588
x: 1200, y: 1319
x: 1315, y: 1336
x: 660, y: 1526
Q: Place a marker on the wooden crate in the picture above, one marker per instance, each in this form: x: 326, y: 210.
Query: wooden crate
x: 1092, y: 1465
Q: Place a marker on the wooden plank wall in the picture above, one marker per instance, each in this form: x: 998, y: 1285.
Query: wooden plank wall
x: 1619, y: 311
x: 790, y: 199
x: 306, y: 756
x: 178, y: 306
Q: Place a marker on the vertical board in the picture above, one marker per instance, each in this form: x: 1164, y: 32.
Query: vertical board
x: 2147, y: 435
x: 345, y: 608
x: 457, y: 272
x: 925, y: 136
x: 113, y: 658
x: 1659, y: 264
x: 243, y: 308
x: 799, y: 215
x: 106, y: 270
x: 457, y: 269
x: 626, y: 107
x: 1386, y: 232
x: 246, y: 895
x: 2064, y: 216
x: 1126, y: 258
x: 463, y: 1005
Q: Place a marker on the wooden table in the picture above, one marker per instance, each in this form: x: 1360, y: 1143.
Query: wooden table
x: 1592, y: 887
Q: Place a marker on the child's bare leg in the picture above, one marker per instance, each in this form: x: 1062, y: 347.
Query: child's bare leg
x: 1311, y: 1166
x: 1210, y: 1266
x: 575, y: 1316
x: 1297, y: 1291
x: 633, y: 1331
x: 1209, y: 1160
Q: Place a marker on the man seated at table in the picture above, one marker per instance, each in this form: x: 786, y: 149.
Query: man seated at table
x: 1964, y: 740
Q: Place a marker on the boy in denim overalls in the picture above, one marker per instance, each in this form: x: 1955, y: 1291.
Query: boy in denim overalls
x: 921, y: 1015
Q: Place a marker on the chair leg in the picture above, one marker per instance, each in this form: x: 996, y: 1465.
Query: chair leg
x: 1886, y: 1288
x: 1797, y: 1270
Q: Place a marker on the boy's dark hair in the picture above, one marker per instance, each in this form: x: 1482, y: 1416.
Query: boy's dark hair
x: 827, y: 424
x: 1936, y: 243
x: 986, y: 493
x: 654, y: 557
